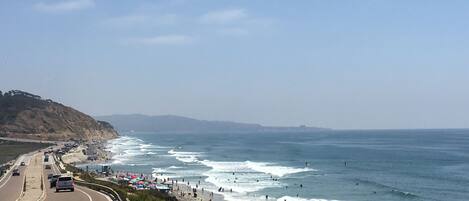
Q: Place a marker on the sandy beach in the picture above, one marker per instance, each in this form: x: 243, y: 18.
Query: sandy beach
x: 75, y: 155
x: 185, y: 193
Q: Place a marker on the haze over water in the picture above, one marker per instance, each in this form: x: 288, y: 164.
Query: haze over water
x: 388, y: 165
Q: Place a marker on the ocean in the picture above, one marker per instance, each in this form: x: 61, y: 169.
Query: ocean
x: 385, y: 165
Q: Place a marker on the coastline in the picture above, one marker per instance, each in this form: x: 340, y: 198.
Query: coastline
x: 184, y: 192
x: 181, y: 191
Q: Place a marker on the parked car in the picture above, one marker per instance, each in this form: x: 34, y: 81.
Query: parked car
x: 16, y: 172
x: 23, y: 164
x: 49, y: 176
x: 47, y: 167
x: 53, y: 180
x: 64, y: 183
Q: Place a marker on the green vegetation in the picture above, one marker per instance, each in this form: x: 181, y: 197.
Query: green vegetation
x: 12, y: 149
x: 124, y: 191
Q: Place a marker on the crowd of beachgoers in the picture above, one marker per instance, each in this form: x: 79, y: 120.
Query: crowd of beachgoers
x: 181, y: 189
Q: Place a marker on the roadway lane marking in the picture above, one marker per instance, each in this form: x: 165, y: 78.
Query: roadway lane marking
x: 22, y: 188
x: 6, y: 181
x: 44, y: 188
x: 98, y: 192
x: 54, y: 168
x: 104, y: 195
x: 89, y: 197
x: 14, y: 166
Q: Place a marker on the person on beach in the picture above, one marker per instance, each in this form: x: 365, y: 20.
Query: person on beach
x: 266, y: 197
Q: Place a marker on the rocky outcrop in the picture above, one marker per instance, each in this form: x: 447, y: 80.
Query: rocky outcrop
x: 26, y: 115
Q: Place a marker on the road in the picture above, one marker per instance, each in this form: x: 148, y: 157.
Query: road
x: 80, y: 193
x: 11, y: 186
x: 31, y: 140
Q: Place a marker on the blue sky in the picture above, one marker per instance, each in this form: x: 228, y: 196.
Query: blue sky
x: 338, y: 64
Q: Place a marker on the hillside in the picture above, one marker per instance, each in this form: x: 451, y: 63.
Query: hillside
x: 171, y: 123
x: 26, y: 115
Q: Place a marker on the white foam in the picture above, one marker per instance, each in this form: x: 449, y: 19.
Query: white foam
x: 249, y: 166
x: 126, y: 148
x: 275, y: 170
x: 289, y: 198
x: 244, y: 179
x: 184, y: 156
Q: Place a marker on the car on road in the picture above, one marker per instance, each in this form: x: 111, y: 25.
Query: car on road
x: 64, y: 183
x: 23, y: 164
x: 47, y: 167
x: 16, y: 172
x: 53, y: 180
x: 49, y: 176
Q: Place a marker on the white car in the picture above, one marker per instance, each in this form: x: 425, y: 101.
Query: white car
x: 64, y: 183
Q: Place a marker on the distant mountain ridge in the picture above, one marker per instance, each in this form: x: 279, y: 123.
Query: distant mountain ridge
x: 172, y: 123
x: 25, y: 115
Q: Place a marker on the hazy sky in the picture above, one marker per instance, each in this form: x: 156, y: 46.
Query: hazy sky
x: 338, y: 64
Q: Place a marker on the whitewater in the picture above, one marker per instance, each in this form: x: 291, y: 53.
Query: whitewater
x: 323, y: 166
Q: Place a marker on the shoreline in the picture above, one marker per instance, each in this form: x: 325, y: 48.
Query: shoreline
x: 184, y: 192
x: 181, y: 191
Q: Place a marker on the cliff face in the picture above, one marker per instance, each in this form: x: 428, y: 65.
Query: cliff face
x: 25, y: 115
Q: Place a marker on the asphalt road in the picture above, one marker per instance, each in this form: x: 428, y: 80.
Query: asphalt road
x: 11, y: 186
x: 80, y: 193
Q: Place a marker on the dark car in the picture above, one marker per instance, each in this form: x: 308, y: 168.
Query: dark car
x: 16, y: 172
x: 47, y: 167
x: 49, y: 176
x: 23, y: 164
x: 53, y: 180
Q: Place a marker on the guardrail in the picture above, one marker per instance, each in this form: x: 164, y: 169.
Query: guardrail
x: 108, y: 190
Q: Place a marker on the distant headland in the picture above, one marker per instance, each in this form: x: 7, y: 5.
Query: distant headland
x: 173, y: 123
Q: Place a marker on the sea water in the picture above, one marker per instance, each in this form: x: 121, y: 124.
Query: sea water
x: 324, y: 165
